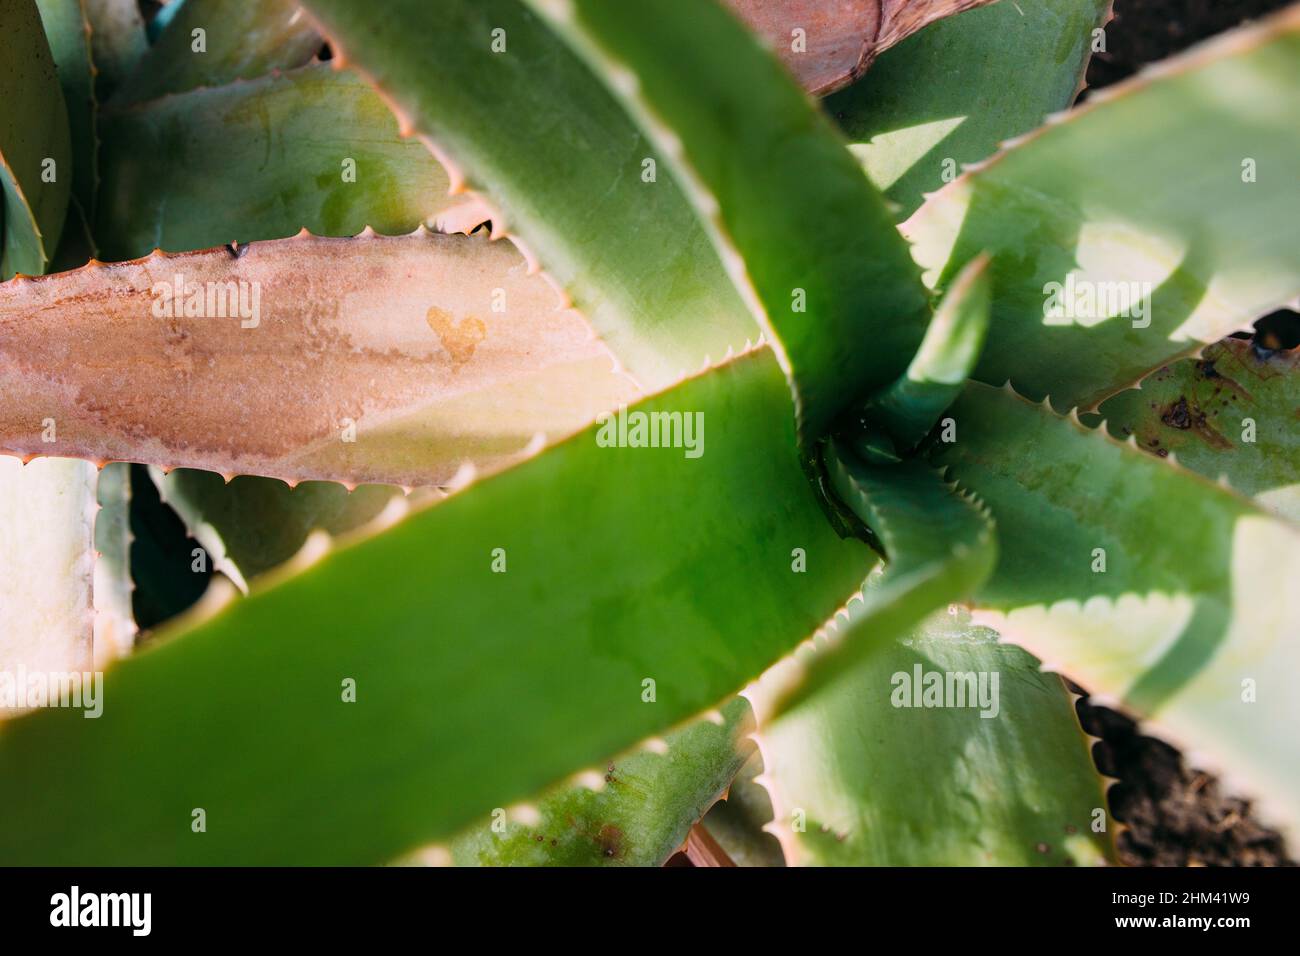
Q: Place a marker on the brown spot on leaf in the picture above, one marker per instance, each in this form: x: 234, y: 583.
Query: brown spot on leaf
x: 1187, y: 416
x: 1178, y: 415
x: 610, y: 841
x: 459, y: 339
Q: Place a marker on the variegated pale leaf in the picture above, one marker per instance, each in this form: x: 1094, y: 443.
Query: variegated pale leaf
x: 392, y: 360
x: 47, y: 519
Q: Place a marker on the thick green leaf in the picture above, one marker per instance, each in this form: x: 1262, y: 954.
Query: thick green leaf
x: 939, y: 546
x: 1164, y: 210
x: 36, y: 169
x: 408, y: 360
x: 68, y: 32
x: 806, y: 237
x: 908, y: 409
x: 260, y: 160
x: 115, y: 626
x: 949, y: 95
x: 251, y: 524
x: 473, y: 688
x: 117, y: 42
x: 1145, y: 583
x: 1232, y: 413
x: 47, y: 517
x: 634, y: 813
x: 944, y: 748
x: 239, y: 40
x: 629, y: 252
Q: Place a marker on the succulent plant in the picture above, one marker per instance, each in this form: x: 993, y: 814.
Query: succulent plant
x: 789, y: 451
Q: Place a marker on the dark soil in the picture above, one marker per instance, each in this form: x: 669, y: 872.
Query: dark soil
x: 1175, y: 815
x: 1147, y: 31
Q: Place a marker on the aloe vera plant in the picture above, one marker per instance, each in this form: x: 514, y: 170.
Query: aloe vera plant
x: 587, y: 425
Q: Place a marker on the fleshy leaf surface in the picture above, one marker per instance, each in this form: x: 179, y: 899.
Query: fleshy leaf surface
x: 1232, y: 412
x: 951, y: 94
x: 762, y: 164
x: 33, y: 135
x: 942, y: 748
x: 117, y: 42
x: 588, y: 198
x: 1146, y: 583
x: 369, y: 359
x: 68, y: 32
x: 1159, y: 216
x: 312, y: 149
x: 115, y: 626
x: 635, y: 812
x: 909, y: 408
x: 239, y: 40
x: 940, y: 545
x: 500, y: 683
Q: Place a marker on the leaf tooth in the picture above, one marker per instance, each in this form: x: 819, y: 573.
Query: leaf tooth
x: 465, y: 476
x: 655, y: 745
x: 433, y: 855
x: 715, y: 717
x: 589, y: 779
x: 220, y: 594
x: 314, y: 548
x: 526, y: 814
x: 565, y: 299
x: 535, y: 444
